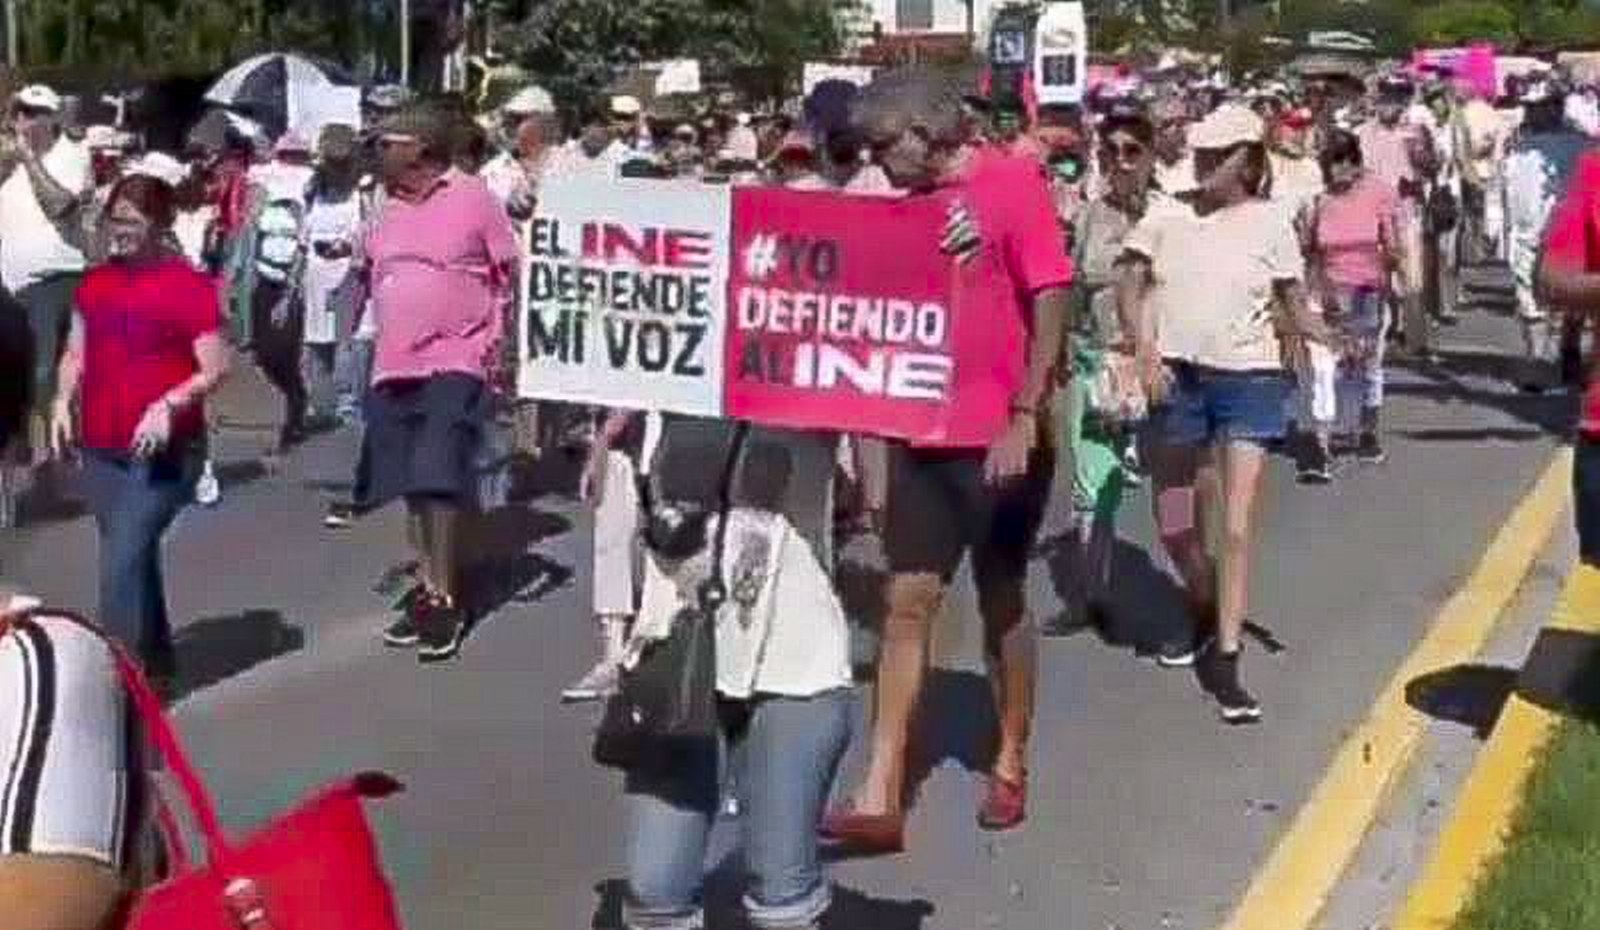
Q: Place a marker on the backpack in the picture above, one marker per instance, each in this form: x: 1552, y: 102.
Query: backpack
x: 278, y: 229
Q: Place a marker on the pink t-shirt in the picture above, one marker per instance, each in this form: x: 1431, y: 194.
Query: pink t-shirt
x: 1351, y: 228
x: 1386, y: 150
x: 440, y: 273
x: 1021, y: 253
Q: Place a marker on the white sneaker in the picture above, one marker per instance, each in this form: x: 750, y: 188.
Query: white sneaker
x: 208, y: 490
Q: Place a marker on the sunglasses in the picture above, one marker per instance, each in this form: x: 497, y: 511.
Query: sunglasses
x: 1125, y: 151
x: 32, y: 112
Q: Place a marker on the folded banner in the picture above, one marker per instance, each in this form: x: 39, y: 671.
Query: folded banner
x: 799, y: 309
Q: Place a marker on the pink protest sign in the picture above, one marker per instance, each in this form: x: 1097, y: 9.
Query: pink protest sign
x: 1472, y: 66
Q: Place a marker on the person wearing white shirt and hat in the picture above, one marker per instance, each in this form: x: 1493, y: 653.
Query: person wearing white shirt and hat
x: 1212, y: 286
x: 45, y: 182
x: 527, y: 130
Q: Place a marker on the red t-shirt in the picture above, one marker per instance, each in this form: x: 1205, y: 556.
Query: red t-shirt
x: 1572, y: 243
x: 1021, y: 253
x: 140, y: 323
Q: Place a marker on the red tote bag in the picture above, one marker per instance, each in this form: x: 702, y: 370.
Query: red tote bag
x: 316, y: 867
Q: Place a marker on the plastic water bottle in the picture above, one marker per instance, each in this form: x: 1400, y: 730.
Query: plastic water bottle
x: 208, y: 490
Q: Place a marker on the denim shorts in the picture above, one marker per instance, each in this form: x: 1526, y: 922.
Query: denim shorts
x: 1205, y: 406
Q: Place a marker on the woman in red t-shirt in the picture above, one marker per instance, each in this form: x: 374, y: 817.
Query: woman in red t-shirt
x: 146, y: 348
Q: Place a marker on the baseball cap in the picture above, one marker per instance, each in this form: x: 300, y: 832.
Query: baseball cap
x: 161, y: 166
x: 1227, y: 126
x: 529, y: 101
x: 625, y: 106
x: 38, y: 97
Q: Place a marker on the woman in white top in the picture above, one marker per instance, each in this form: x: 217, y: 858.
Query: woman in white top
x: 328, y: 236
x: 1213, y: 284
x: 783, y: 670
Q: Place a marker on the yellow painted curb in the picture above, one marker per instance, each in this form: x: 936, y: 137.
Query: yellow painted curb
x: 1476, y: 831
x: 1293, y: 886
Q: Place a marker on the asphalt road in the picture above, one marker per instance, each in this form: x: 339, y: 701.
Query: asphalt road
x: 1146, y: 811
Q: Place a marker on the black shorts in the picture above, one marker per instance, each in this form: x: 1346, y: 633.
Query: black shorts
x: 940, y: 507
x: 422, y: 438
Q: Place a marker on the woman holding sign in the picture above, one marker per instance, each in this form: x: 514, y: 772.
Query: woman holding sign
x: 1211, y: 284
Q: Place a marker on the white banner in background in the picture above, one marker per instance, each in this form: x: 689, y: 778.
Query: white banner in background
x: 624, y: 292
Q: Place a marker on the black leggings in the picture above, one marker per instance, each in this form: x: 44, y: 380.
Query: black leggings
x: 277, y: 348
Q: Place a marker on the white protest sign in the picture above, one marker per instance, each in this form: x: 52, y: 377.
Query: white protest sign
x: 678, y: 76
x: 624, y: 294
x: 815, y: 72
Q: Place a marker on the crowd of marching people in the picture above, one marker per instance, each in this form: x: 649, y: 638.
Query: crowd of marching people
x: 1181, y: 277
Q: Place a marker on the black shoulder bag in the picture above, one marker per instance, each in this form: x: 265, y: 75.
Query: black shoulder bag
x: 665, y: 707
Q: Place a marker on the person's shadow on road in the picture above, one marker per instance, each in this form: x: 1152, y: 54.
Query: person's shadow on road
x: 215, y: 649
x: 500, y: 566
x: 1147, y: 606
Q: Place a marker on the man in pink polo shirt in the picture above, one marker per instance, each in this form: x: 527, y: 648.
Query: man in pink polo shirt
x: 983, y: 489
x: 439, y: 261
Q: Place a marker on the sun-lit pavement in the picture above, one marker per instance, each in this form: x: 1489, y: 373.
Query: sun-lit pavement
x: 1146, y: 812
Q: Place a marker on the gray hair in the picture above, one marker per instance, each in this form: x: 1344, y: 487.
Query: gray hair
x: 935, y: 101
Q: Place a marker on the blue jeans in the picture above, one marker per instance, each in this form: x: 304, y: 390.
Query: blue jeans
x: 352, y: 375
x: 786, y: 752
x: 133, y: 504
x: 1207, y: 406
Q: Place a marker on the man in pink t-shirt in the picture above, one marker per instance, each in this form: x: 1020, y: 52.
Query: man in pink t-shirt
x: 983, y: 488
x: 439, y: 261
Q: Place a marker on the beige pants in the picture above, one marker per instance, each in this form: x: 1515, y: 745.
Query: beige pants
x: 57, y: 893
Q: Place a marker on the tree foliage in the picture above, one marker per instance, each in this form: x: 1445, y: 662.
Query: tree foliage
x: 187, y: 36
x: 1455, y: 22
x: 579, y: 47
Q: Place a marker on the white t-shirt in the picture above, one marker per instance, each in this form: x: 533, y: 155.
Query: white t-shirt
x: 1214, y: 278
x: 190, y: 227
x: 783, y: 629
x: 327, y: 221
x: 279, y: 181
x: 31, y: 247
x: 571, y: 161
x: 1295, y: 181
x: 1178, y: 177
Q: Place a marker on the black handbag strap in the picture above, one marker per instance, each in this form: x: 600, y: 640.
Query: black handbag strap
x: 714, y: 591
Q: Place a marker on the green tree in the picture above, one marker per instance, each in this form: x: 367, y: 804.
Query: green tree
x: 1454, y: 22
x: 579, y: 47
x: 1388, y: 23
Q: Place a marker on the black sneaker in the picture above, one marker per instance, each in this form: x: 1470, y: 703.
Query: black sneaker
x: 1219, y: 675
x: 1316, y: 463
x: 1181, y: 652
x: 1369, y: 450
x: 442, y: 630
x: 402, y: 634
